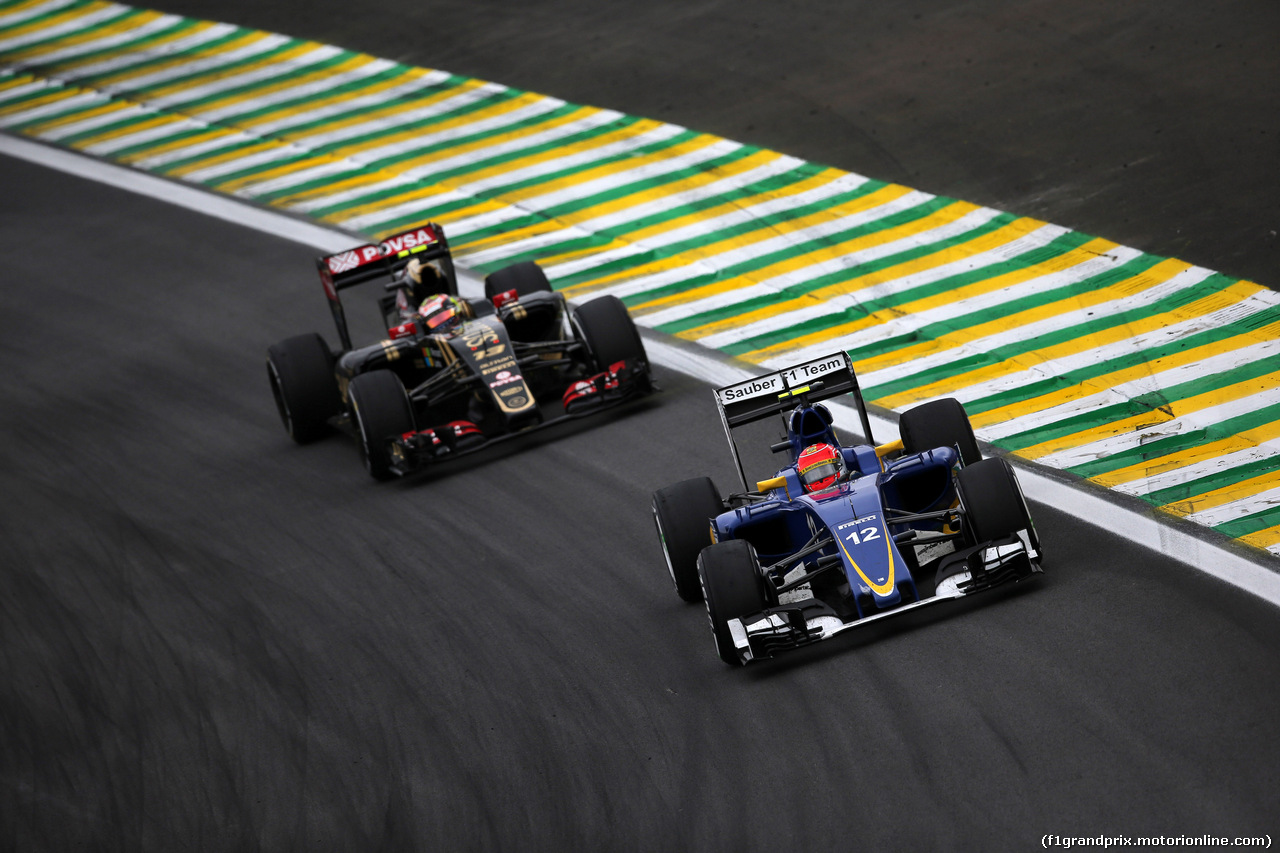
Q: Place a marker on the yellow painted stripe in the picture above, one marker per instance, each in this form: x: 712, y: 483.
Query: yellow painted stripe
x: 66, y: 16
x: 275, y: 58
x: 472, y: 117
x: 1171, y: 411
x: 764, y: 230
x: 1192, y: 455
x: 1015, y: 230
x: 264, y: 88
x: 605, y: 170
x: 1098, y: 384
x: 51, y: 97
x: 1225, y: 495
x: 79, y: 115
x: 739, y: 203
x: 120, y: 79
x: 1059, y: 263
x: 155, y: 46
x: 597, y: 141
x: 226, y: 157
x: 636, y: 200
x: 162, y: 147
x: 23, y: 79
x: 341, y: 153
x: 133, y: 127
x: 1132, y: 286
x: 830, y: 252
x: 318, y: 103
x: 1263, y: 538
x: 140, y: 18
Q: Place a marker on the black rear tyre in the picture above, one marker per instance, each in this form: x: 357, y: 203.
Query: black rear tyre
x: 382, y: 411
x: 993, y: 502
x: 939, y: 423
x: 683, y: 514
x: 300, y: 370
x: 524, y: 278
x: 731, y: 587
x: 609, y: 333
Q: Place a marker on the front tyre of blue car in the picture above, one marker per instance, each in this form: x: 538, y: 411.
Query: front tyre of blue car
x: 731, y: 587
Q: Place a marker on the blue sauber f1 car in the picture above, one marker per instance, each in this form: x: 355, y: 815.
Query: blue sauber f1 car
x: 841, y: 536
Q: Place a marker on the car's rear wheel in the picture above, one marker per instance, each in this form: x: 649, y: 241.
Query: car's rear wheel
x: 731, y: 587
x: 607, y: 330
x: 993, y: 503
x: 524, y: 278
x: 683, y: 514
x: 382, y: 411
x: 939, y: 423
x: 300, y: 370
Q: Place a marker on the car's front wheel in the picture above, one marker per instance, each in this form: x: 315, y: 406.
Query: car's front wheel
x: 382, y: 411
x: 994, y: 506
x: 731, y: 587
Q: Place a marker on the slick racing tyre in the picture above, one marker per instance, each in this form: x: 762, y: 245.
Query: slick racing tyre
x: 993, y: 503
x: 683, y: 514
x: 382, y: 411
x: 731, y: 587
x: 608, y: 332
x: 940, y: 423
x: 300, y: 370
x: 524, y: 278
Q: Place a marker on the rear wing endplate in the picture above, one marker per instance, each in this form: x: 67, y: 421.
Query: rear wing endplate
x: 781, y: 391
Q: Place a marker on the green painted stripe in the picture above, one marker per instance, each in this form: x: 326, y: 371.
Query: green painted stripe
x: 1139, y: 405
x: 1175, y: 443
x: 1250, y: 524
x: 1044, y: 254
x: 796, y: 291
x: 1075, y: 377
x: 1213, y: 482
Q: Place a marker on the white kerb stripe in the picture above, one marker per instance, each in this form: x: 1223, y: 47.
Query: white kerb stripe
x: 271, y: 71
x: 298, y: 91
x: 75, y: 25
x: 1235, y: 510
x: 810, y: 272
x: 150, y: 28
x: 1204, y: 468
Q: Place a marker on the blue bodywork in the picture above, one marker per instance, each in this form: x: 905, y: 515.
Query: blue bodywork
x: 858, y: 512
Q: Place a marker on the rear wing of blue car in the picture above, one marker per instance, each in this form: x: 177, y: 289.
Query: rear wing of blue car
x: 781, y: 391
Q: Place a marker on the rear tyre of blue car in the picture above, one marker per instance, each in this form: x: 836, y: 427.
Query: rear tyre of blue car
x: 300, y: 370
x: 731, y: 587
x: 608, y: 331
x: 939, y: 423
x: 381, y: 411
x: 683, y: 515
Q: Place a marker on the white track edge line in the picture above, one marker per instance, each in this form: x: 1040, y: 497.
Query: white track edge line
x: 1141, y: 527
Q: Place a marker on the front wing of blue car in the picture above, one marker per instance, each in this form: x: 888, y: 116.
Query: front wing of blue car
x: 801, y: 623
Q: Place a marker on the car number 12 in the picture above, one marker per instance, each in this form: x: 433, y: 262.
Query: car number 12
x: 865, y: 535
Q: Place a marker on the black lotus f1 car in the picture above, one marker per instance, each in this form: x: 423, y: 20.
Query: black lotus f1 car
x: 454, y: 375
x: 842, y: 535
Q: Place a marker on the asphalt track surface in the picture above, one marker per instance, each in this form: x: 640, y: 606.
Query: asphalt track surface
x: 216, y: 640
x: 213, y: 639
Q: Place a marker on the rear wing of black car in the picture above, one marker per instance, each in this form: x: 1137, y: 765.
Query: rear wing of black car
x: 781, y: 391
x: 383, y: 261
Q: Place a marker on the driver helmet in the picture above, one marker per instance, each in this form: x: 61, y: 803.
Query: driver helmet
x: 820, y: 467
x: 442, y: 313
